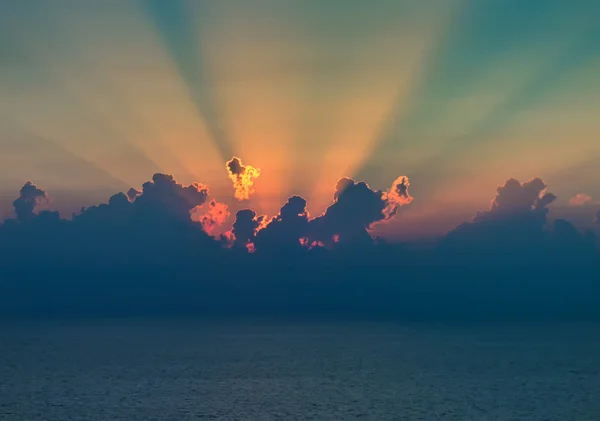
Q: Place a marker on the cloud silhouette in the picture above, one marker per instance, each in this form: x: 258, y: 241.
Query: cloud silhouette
x: 165, y: 196
x: 284, y: 231
x: 153, y: 225
x: 244, y: 229
x: 515, y: 230
x: 517, y: 208
x: 515, y: 198
x: 119, y: 209
x: 133, y: 194
x: 29, y: 198
x: 159, y: 209
x: 243, y: 177
x: 150, y: 252
x: 355, y: 209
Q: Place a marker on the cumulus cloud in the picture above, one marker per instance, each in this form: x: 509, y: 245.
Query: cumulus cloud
x: 30, y: 197
x: 246, y: 224
x: 142, y: 249
x: 167, y: 220
x: 580, y: 199
x: 119, y: 201
x: 211, y: 219
x: 153, y: 225
x: 285, y: 230
x: 355, y: 209
x: 514, y: 198
x: 243, y: 177
x: 133, y: 194
x: 118, y: 210
x: 161, y: 209
x: 164, y: 195
x: 513, y: 226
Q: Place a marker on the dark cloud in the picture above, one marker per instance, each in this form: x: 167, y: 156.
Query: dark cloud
x: 29, y: 198
x: 516, y: 198
x: 515, y: 230
x: 160, y: 200
x: 235, y: 167
x: 569, y: 245
x: 566, y: 233
x: 355, y: 209
x: 284, y: 231
x: 165, y: 196
x: 150, y: 226
x: 246, y: 224
x: 516, y: 209
x: 243, y: 177
x: 133, y: 194
x: 149, y: 252
x: 118, y: 208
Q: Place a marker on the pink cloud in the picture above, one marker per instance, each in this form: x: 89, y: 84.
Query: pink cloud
x: 580, y: 199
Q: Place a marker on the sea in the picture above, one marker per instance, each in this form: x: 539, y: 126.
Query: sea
x: 187, y: 369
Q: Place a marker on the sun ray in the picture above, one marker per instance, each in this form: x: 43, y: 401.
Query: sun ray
x: 380, y: 92
x: 177, y: 22
x: 461, y: 99
x: 121, y: 98
x: 538, y: 132
x: 534, y: 147
x: 40, y: 158
x: 258, y: 65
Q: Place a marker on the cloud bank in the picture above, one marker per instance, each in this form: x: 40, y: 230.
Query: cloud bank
x: 168, y: 248
x: 516, y: 223
x: 516, y: 231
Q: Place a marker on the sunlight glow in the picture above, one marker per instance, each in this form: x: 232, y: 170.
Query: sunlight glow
x: 100, y: 96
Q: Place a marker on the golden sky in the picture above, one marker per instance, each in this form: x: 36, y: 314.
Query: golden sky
x: 459, y: 95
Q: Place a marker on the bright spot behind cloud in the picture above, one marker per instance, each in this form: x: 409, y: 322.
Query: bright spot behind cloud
x: 215, y: 216
x: 243, y: 177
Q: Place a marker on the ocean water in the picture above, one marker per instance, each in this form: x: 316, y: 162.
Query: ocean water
x: 185, y: 370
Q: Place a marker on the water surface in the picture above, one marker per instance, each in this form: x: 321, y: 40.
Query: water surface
x: 187, y: 370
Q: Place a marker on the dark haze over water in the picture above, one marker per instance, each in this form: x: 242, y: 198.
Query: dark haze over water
x: 259, y: 370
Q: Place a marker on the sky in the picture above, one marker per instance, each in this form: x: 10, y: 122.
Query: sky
x: 458, y: 95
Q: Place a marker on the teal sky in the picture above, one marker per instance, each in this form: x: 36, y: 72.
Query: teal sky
x: 96, y: 96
